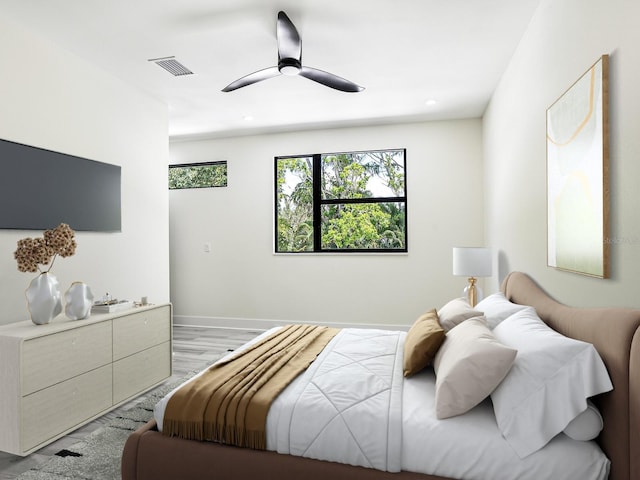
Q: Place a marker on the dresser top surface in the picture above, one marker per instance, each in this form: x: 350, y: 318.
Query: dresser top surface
x: 27, y: 329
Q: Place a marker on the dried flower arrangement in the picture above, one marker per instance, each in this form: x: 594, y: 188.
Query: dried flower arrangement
x: 33, y: 252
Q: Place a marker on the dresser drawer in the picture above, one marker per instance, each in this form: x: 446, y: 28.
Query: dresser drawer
x: 135, y: 373
x: 141, y: 330
x: 56, y: 409
x: 50, y: 359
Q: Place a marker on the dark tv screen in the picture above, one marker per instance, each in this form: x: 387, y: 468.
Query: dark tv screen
x: 39, y: 189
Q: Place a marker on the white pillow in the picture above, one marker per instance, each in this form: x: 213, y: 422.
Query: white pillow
x: 497, y: 308
x: 548, y: 385
x: 468, y: 366
x: 586, y: 426
x: 454, y: 312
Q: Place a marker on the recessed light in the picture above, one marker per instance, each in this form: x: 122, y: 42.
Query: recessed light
x: 247, y: 118
x: 430, y: 102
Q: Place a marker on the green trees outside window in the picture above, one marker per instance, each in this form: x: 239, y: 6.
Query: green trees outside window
x: 198, y: 175
x: 341, y: 202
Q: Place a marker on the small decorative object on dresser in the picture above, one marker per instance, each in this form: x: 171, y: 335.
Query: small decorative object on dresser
x: 43, y: 298
x: 110, y: 306
x: 78, y: 300
x: 43, y: 295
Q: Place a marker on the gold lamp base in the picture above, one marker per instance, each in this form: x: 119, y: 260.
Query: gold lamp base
x: 472, y: 291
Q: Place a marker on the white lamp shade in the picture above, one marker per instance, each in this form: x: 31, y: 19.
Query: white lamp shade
x: 471, y: 261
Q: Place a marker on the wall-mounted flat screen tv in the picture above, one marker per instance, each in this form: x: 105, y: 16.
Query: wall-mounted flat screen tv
x: 39, y: 189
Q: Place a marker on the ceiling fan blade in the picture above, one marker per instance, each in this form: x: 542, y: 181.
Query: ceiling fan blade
x: 330, y: 80
x: 254, y: 77
x: 289, y: 43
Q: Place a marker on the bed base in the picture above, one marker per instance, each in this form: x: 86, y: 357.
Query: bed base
x: 149, y: 455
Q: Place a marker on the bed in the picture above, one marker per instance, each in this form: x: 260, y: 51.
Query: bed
x: 148, y: 454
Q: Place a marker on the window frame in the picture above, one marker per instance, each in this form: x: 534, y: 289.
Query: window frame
x: 318, y: 202
x: 201, y: 164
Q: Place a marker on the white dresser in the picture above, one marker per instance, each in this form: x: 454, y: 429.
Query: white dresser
x: 57, y: 377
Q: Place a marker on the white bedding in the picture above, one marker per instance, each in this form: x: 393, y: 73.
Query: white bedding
x: 469, y: 446
x: 347, y: 406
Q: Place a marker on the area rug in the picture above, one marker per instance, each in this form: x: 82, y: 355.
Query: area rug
x: 98, y: 456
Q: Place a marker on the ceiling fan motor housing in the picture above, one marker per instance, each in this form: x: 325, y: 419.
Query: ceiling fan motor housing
x: 289, y: 66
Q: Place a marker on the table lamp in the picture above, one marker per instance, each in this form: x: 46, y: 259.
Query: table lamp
x: 471, y: 262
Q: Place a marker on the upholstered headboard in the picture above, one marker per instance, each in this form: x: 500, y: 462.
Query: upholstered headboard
x: 614, y: 333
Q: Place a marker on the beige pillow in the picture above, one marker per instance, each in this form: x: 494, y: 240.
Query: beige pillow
x: 470, y: 364
x: 422, y: 342
x: 456, y: 311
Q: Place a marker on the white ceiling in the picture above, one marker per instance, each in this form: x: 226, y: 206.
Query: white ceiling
x: 403, y: 52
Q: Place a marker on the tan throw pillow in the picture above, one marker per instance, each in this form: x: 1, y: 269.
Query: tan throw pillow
x: 422, y: 342
x: 469, y: 366
x: 456, y: 311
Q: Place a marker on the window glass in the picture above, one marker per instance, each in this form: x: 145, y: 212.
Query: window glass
x: 363, y: 174
x: 198, y: 175
x: 363, y: 226
x: 294, y: 204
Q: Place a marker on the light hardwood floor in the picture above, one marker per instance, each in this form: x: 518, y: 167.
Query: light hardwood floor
x: 192, y: 347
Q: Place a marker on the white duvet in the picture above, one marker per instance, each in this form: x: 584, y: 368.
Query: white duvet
x: 353, y: 406
x: 347, y: 406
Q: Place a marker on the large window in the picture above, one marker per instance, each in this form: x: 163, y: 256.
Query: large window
x: 198, y: 175
x: 341, y: 202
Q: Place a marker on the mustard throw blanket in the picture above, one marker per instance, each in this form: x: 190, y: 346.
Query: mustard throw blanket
x: 229, y: 403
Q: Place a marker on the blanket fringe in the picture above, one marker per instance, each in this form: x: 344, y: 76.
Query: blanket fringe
x: 227, y: 434
x: 183, y: 429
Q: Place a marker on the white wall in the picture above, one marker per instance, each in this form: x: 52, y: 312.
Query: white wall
x: 54, y: 100
x: 563, y: 40
x: 242, y: 279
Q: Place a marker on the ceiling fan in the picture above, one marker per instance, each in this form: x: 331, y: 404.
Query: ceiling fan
x: 290, y: 63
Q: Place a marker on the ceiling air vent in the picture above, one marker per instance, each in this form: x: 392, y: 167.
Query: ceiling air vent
x: 171, y: 65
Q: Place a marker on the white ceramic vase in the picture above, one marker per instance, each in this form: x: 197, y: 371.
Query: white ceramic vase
x: 78, y: 300
x: 43, y: 298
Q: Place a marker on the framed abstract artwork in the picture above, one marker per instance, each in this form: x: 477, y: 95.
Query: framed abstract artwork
x: 577, y: 175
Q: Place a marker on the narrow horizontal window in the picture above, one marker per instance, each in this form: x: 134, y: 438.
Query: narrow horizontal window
x: 341, y: 202
x: 198, y: 175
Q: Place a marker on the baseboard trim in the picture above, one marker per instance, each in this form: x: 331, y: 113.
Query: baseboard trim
x: 264, y: 324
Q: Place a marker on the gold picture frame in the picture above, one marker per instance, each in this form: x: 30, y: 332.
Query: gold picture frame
x: 578, y: 175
